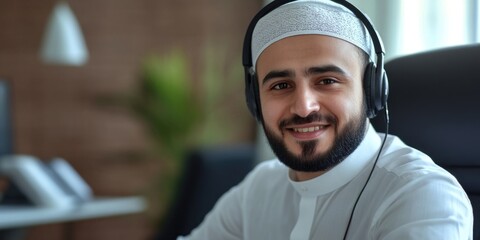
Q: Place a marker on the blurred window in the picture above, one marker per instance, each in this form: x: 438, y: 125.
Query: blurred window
x: 429, y: 24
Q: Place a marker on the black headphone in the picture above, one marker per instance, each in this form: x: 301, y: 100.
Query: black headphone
x: 375, y: 81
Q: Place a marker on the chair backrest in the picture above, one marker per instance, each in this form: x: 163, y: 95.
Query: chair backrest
x: 5, y: 119
x: 209, y: 173
x: 434, y: 106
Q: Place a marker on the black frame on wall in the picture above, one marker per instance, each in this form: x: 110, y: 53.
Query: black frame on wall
x: 6, y: 143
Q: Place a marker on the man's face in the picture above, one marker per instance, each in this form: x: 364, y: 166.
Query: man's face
x: 312, y: 100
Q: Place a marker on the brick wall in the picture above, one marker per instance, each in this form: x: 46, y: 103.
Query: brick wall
x: 55, y: 112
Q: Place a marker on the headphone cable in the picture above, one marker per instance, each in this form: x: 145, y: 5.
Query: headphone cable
x: 387, y: 122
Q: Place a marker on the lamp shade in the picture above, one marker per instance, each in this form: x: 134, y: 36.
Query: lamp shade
x: 63, y: 42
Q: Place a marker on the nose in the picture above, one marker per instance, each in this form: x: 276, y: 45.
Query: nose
x: 305, y: 102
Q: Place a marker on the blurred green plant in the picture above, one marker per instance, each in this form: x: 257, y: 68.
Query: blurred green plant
x: 166, y: 103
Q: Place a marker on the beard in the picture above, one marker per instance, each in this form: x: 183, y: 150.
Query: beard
x: 345, y: 142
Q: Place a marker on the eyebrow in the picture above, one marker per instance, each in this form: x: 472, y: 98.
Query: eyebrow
x: 310, y: 71
x: 277, y: 74
x: 325, y: 69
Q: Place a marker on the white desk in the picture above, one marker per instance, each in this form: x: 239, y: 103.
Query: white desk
x: 24, y: 216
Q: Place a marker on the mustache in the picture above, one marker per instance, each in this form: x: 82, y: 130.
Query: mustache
x: 313, y: 117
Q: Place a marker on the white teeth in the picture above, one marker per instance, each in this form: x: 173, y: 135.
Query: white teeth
x: 304, y: 130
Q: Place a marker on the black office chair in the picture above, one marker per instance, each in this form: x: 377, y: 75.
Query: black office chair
x: 209, y: 173
x: 434, y: 106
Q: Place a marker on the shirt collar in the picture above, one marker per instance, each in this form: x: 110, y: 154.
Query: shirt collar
x: 345, y: 171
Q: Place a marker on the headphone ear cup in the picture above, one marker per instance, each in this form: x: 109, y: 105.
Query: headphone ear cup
x: 376, y: 90
x: 250, y: 95
x: 385, y: 89
x: 369, y: 88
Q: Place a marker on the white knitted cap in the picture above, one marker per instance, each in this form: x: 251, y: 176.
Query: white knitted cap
x: 310, y: 17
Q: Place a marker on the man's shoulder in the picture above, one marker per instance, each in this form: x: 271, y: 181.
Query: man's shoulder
x: 400, y: 159
x: 266, y: 175
x: 270, y: 169
x: 406, y: 164
x: 408, y: 190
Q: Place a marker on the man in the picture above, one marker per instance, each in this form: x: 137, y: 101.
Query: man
x: 335, y: 179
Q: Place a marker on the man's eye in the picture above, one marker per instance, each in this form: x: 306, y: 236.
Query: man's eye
x: 281, y: 86
x: 328, y: 81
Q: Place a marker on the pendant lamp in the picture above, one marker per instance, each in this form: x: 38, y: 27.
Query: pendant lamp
x: 63, y: 41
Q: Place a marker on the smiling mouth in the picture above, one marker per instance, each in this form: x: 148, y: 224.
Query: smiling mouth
x: 307, y: 129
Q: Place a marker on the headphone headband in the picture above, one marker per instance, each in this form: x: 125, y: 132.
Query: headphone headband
x: 375, y: 79
x: 247, y: 46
